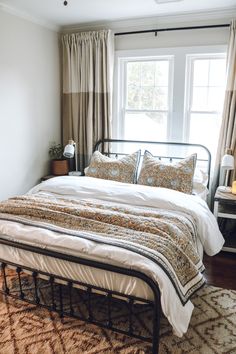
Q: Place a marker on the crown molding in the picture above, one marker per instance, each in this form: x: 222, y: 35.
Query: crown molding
x: 208, y: 17
x: 25, y: 16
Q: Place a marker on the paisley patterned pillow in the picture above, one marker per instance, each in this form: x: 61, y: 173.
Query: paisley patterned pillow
x: 177, y: 176
x: 121, y: 170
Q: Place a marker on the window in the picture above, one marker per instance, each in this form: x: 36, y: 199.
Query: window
x: 147, y: 98
x: 173, y: 94
x: 204, y: 98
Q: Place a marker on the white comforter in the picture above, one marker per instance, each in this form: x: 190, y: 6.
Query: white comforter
x: 132, y: 194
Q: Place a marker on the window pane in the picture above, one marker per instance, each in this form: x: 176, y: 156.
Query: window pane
x: 199, y: 99
x: 160, y: 98
x: 201, y: 69
x: 147, y: 98
x: 145, y: 126
x: 133, y: 73
x: 147, y: 73
x: 215, y: 98
x: 162, y: 73
x: 208, y: 84
x: 207, y: 96
x: 134, y: 94
x: 204, y: 129
x: 217, y: 72
x: 147, y: 85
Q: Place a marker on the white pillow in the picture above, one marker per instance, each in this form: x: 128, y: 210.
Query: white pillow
x: 200, y: 180
x: 200, y: 177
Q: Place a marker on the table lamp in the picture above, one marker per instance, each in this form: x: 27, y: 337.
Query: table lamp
x: 70, y: 151
x: 227, y: 164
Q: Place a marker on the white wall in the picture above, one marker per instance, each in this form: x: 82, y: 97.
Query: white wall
x: 29, y: 102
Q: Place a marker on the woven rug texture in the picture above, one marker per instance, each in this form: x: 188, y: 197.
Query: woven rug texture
x: 27, y: 329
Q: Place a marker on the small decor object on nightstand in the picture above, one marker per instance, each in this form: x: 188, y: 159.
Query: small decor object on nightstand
x: 234, y: 187
x: 70, y: 151
x: 224, y: 189
x: 59, y: 165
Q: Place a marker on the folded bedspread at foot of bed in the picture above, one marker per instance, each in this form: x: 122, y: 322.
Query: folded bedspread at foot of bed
x: 168, y: 238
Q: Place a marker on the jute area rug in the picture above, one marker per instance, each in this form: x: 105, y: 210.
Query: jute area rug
x: 26, y: 329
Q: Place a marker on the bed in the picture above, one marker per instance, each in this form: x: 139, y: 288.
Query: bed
x: 105, y: 257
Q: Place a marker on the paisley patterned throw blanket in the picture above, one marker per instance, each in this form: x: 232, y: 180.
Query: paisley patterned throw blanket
x: 167, y: 238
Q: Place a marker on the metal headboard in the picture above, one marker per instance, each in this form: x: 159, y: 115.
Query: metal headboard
x: 163, y: 150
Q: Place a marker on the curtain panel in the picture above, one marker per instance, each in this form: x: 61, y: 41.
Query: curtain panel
x: 87, y: 74
x: 227, y: 138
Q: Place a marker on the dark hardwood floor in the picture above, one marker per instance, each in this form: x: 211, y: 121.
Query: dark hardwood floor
x: 221, y: 270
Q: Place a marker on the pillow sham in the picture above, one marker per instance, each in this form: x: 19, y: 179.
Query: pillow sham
x: 121, y: 170
x: 177, y: 176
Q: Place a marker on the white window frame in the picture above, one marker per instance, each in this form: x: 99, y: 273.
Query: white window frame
x: 177, y: 125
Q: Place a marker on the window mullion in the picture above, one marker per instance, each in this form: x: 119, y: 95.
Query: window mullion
x: 188, y: 96
x: 176, y: 114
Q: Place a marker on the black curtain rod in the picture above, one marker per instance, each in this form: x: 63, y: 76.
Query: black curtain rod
x: 171, y: 29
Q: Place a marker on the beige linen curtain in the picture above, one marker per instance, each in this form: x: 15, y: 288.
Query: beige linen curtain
x: 87, y: 72
x: 227, y: 139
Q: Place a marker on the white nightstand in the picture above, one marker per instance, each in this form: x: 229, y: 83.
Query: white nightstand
x: 225, y: 207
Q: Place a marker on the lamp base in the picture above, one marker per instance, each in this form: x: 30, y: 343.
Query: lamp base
x: 225, y: 189
x: 75, y: 173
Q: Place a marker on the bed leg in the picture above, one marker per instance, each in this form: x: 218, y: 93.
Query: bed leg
x: 70, y: 298
x: 53, y: 304
x: 18, y: 271
x: 6, y: 289
x: 156, y: 324
x: 61, y: 301
x: 36, y: 297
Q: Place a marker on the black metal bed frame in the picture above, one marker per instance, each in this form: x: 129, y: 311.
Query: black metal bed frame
x: 56, y: 288
x: 89, y: 289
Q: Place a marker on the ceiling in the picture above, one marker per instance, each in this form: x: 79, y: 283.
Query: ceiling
x: 53, y: 12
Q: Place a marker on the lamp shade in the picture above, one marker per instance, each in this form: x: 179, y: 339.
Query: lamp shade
x: 69, y: 151
x: 227, y: 162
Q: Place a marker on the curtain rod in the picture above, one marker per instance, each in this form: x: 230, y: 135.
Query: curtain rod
x: 171, y: 29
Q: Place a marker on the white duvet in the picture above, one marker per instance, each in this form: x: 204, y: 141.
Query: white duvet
x: 70, y: 187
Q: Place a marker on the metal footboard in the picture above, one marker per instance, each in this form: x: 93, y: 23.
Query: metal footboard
x: 62, y: 292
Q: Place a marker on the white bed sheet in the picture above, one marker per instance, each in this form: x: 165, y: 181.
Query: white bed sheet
x: 210, y: 239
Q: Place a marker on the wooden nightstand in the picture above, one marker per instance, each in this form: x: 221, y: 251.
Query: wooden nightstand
x: 225, y: 208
